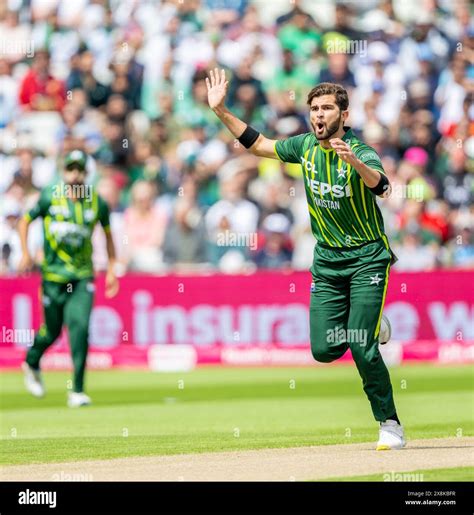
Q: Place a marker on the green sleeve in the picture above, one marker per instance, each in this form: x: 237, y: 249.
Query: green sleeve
x: 41, y: 207
x: 290, y: 150
x: 369, y: 157
x: 104, y: 214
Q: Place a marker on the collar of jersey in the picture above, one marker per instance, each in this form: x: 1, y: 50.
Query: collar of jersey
x: 348, y: 135
x: 347, y: 138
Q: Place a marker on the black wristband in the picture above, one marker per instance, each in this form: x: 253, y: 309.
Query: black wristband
x: 248, y: 137
x: 382, y: 186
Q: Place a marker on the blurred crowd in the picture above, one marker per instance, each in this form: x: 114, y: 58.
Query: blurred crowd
x: 125, y: 81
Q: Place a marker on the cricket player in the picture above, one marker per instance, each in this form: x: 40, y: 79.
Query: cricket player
x: 352, y: 257
x: 70, y: 210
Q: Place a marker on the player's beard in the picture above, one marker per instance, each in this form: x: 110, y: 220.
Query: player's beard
x: 330, y: 130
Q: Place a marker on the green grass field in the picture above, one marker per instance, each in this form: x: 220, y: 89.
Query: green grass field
x: 139, y: 413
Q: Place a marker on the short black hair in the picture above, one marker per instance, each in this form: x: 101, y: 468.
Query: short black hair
x: 328, y: 88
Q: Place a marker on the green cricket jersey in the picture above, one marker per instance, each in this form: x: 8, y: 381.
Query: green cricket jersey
x: 343, y: 211
x: 67, y: 229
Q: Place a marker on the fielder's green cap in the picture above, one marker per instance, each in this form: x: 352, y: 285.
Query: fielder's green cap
x: 77, y: 157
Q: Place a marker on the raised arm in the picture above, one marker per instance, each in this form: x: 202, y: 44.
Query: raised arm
x: 216, y: 93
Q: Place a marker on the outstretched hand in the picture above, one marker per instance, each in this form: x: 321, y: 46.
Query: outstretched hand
x: 216, y: 88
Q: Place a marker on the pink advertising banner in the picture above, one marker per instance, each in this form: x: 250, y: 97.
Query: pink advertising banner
x: 258, y: 319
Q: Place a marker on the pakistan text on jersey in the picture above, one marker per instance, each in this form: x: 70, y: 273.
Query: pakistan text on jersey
x: 331, y: 204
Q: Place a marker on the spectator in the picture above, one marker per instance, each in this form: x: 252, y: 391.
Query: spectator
x: 194, y: 109
x: 82, y: 77
x: 128, y: 79
x: 412, y: 254
x: 185, y: 238
x: 458, y: 185
x: 292, y: 78
x: 15, y: 37
x: 114, y: 145
x: 226, y: 12
x: 22, y: 186
x: 300, y: 35
x: 424, y: 37
x: 338, y: 71
x: 297, y: 9
x: 430, y: 227
x: 76, y: 125
x: 10, y: 246
x: 413, y: 173
x: 450, y: 95
x: 276, y: 252
x: 232, y: 221
x: 461, y: 250
x: 144, y: 229
x: 8, y: 94
x: 39, y: 90
x: 244, y: 77
x: 343, y: 22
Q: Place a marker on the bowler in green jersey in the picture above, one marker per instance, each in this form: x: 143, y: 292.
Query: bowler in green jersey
x: 70, y: 210
x: 352, y: 257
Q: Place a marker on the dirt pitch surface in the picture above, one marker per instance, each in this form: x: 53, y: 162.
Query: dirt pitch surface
x: 291, y: 464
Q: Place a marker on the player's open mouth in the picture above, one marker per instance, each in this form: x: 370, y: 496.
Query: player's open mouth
x: 319, y: 127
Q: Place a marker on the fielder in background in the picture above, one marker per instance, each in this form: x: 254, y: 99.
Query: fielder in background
x: 70, y: 210
x: 352, y: 257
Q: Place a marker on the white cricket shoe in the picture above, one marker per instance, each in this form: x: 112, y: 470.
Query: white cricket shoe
x: 385, y: 332
x: 78, y: 399
x: 390, y: 436
x: 33, y: 380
